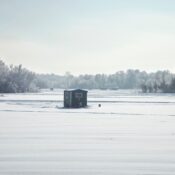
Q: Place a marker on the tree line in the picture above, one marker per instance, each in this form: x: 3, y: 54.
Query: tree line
x: 160, y: 81
x: 18, y: 79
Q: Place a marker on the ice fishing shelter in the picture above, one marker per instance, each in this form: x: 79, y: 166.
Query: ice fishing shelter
x: 75, y: 98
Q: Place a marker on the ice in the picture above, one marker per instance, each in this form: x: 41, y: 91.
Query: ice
x: 130, y: 134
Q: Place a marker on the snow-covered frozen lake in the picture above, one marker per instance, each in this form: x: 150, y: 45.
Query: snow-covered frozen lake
x: 131, y: 134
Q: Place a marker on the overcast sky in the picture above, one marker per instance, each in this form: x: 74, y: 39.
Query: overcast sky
x: 88, y: 36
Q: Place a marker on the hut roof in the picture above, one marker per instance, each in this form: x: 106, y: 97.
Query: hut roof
x: 76, y: 90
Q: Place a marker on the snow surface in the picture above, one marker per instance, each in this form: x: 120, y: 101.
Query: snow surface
x: 131, y: 134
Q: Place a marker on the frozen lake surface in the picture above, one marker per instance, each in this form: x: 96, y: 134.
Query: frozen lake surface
x: 131, y: 134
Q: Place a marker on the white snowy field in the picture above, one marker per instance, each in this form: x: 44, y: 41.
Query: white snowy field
x: 131, y: 134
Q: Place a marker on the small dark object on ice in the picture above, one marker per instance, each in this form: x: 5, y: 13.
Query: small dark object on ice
x: 99, y: 105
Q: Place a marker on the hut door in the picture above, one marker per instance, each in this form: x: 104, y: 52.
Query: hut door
x: 79, y: 99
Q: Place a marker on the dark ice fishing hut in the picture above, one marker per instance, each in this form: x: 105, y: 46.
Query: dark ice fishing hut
x: 75, y: 98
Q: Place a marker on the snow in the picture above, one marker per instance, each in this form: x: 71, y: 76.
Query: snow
x: 130, y: 134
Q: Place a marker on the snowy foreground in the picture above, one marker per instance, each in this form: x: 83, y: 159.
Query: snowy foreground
x: 131, y: 134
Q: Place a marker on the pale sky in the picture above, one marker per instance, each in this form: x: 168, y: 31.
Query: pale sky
x: 88, y: 36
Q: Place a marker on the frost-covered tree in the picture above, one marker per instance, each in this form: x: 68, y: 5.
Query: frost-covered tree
x: 15, y: 79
